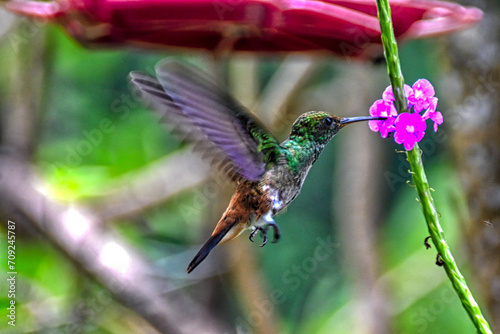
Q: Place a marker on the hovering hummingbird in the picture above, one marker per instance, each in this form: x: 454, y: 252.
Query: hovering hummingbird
x: 269, y: 174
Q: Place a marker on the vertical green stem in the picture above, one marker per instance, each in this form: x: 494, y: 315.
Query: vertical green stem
x: 391, y: 55
x: 420, y: 179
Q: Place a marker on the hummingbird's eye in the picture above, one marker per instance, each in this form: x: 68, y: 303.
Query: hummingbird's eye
x: 328, y: 121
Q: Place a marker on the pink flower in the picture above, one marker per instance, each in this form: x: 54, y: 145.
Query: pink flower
x: 384, y: 109
x: 434, y: 115
x: 422, y: 95
x: 410, y: 129
x: 388, y: 95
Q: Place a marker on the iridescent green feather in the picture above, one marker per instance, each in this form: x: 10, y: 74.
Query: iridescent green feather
x: 205, y: 114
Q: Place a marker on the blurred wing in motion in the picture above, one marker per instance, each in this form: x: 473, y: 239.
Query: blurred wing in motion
x: 205, y: 114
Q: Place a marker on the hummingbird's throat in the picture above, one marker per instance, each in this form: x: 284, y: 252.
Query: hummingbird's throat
x: 276, y: 203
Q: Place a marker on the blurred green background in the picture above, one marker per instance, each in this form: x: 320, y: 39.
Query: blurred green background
x: 328, y: 274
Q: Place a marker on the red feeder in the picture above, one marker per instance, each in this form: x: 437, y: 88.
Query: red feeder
x: 345, y: 27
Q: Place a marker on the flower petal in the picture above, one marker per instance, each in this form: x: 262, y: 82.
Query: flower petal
x: 378, y: 108
x: 408, y: 90
x: 409, y: 145
x: 385, y: 130
x: 375, y: 125
x: 392, y: 111
x: 423, y: 95
x: 398, y: 137
x: 388, y: 95
x: 419, y: 136
x: 409, y: 129
x: 437, y: 117
x: 424, y: 87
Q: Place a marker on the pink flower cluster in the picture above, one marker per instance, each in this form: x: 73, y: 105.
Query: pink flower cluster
x: 408, y: 128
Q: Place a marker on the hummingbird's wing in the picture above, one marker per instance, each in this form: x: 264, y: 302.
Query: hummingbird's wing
x: 205, y: 114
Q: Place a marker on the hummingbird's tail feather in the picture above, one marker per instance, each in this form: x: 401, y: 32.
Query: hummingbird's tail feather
x: 213, y: 241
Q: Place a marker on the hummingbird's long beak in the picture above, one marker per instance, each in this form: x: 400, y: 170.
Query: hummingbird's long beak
x: 347, y: 120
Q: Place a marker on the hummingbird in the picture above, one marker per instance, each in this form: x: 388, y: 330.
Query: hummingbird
x: 268, y: 174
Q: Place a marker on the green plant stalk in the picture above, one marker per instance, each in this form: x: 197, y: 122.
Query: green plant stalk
x: 420, y: 179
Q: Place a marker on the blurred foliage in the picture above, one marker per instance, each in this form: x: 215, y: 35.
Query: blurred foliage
x: 85, y: 88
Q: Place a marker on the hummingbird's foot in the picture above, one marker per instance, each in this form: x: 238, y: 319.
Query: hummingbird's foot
x: 270, y: 222
x: 277, y: 233
x: 263, y: 232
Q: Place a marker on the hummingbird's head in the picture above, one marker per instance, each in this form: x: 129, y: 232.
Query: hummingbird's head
x: 319, y: 127
x: 316, y: 127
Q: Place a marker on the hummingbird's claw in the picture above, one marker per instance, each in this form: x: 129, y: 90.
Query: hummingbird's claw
x: 277, y: 233
x: 263, y: 232
x: 270, y: 222
x: 254, y: 232
x: 268, y: 219
x: 264, y: 239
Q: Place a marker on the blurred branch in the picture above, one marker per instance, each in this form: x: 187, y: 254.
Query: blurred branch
x: 151, y: 186
x: 99, y: 253
x: 95, y: 251
x: 404, y: 291
x: 358, y: 215
x: 21, y: 120
x: 294, y: 71
x: 244, y: 79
